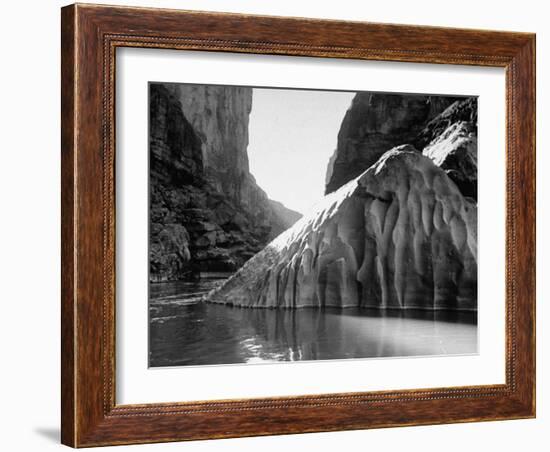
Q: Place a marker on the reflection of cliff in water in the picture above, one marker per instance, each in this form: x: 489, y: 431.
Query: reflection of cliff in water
x: 184, y: 333
x: 333, y: 333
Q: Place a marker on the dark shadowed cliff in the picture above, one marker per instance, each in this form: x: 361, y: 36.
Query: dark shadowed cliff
x: 206, y: 211
x: 375, y: 123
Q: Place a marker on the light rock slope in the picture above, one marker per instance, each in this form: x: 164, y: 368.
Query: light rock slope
x: 400, y: 235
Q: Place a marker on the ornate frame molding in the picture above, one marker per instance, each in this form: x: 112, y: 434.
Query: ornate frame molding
x: 90, y: 36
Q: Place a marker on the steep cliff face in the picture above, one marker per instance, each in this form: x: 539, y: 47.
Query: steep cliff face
x: 175, y: 160
x: 375, y: 123
x: 174, y: 145
x: 399, y: 235
x: 219, y: 114
x: 207, y: 212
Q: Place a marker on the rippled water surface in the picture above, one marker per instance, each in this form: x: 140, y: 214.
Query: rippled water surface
x: 185, y: 331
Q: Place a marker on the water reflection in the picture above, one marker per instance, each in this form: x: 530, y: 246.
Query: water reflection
x: 185, y: 331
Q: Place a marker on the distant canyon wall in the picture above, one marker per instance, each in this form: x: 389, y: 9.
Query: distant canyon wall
x: 206, y: 211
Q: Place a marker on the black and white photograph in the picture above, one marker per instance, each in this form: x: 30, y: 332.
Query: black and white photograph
x: 298, y: 225
x: 275, y: 226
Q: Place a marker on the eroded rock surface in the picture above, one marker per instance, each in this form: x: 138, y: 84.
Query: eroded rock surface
x: 399, y: 235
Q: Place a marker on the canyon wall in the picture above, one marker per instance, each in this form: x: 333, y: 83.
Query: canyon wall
x: 375, y: 123
x: 206, y: 211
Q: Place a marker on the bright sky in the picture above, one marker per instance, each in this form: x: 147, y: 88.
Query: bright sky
x: 292, y: 134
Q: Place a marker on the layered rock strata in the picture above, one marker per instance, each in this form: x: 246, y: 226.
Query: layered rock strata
x: 400, y: 235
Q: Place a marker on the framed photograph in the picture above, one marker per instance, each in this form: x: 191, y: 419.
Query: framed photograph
x: 281, y: 225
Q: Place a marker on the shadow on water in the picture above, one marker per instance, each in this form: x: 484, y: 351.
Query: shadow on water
x: 185, y: 331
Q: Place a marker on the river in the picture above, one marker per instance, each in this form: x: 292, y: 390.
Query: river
x: 184, y: 330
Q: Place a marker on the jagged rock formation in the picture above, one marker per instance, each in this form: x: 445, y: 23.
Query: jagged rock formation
x: 450, y: 140
x: 455, y: 151
x: 400, y: 235
x: 375, y: 123
x: 462, y: 110
x: 206, y: 211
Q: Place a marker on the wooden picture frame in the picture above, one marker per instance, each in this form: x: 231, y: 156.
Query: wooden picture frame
x: 90, y: 36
